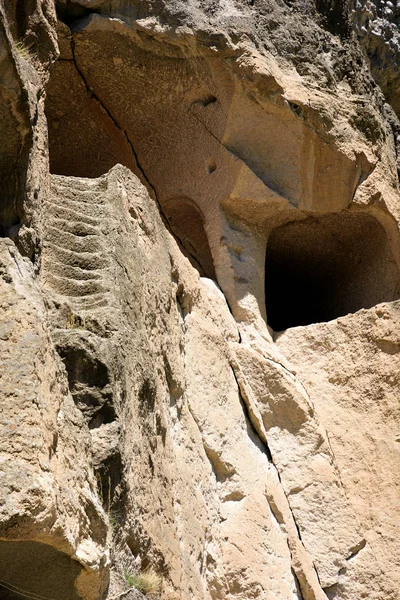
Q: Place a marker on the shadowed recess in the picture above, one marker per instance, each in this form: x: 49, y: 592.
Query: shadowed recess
x: 335, y: 16
x: 322, y: 268
x: 38, y: 571
x: 15, y: 139
x: 187, y: 224
x: 84, y: 140
x: 89, y: 383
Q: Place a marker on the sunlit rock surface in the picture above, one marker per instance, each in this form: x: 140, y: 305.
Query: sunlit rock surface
x: 199, y: 287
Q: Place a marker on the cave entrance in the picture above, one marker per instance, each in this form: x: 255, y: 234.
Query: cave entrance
x: 36, y: 570
x: 325, y: 267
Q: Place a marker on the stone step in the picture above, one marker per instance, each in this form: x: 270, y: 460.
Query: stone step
x: 58, y: 211
x: 78, y: 228
x: 69, y: 241
x: 61, y: 269
x: 73, y: 287
x: 84, y: 185
x: 84, y: 260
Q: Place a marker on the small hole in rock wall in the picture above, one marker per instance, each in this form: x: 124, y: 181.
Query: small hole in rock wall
x: 209, y: 100
x: 212, y: 165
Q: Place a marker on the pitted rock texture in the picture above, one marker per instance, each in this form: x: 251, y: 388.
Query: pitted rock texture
x: 200, y: 291
x: 47, y: 486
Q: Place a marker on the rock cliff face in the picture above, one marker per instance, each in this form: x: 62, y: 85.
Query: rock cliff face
x: 200, y: 299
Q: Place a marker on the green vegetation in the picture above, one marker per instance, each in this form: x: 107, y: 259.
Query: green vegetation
x: 22, y: 50
x: 147, y: 581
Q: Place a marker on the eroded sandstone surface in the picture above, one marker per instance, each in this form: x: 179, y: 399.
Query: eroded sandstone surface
x: 199, y: 288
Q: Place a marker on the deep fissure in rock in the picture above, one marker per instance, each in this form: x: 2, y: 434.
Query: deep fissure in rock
x: 321, y: 268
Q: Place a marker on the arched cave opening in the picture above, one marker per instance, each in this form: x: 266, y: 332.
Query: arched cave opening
x: 187, y: 224
x: 324, y: 267
x: 36, y: 570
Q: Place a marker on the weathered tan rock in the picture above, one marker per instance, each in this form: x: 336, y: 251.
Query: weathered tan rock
x: 49, y: 508
x: 171, y: 384
x: 170, y: 397
x: 349, y: 368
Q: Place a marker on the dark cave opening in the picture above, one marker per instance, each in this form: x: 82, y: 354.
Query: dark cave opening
x: 69, y: 13
x: 35, y: 570
x: 321, y: 268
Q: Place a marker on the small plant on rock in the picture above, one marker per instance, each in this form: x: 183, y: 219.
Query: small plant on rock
x: 147, y: 581
x: 114, y: 519
x: 22, y: 50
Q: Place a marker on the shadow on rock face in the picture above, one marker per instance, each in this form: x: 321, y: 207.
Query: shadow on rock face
x: 84, y: 139
x: 187, y: 224
x: 36, y: 570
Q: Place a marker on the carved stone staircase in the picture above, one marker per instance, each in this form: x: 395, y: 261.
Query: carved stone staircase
x: 75, y: 265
